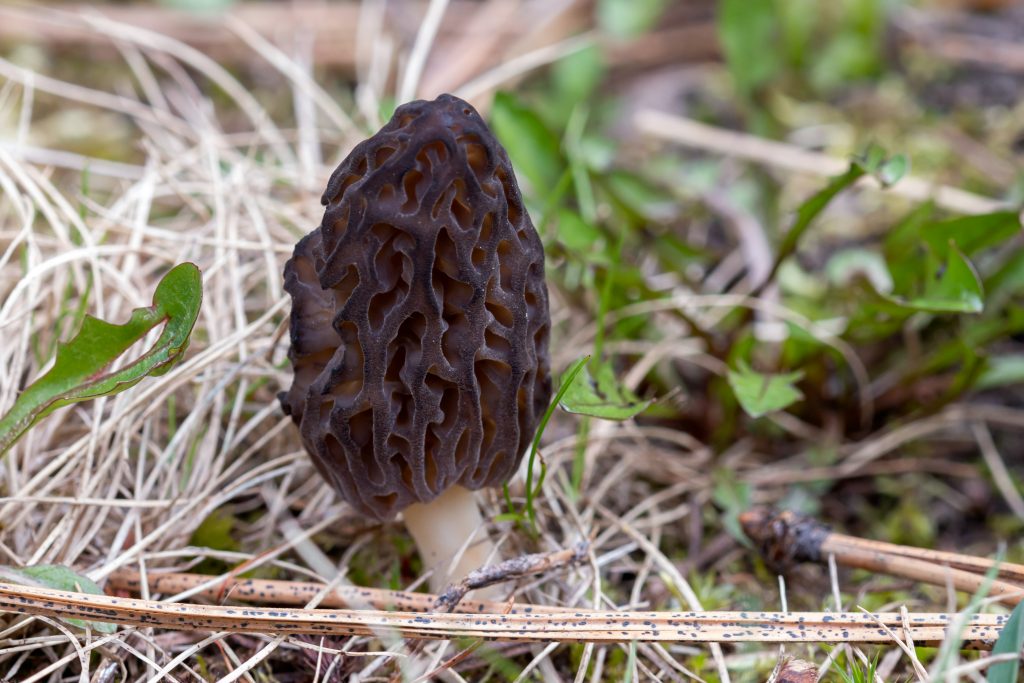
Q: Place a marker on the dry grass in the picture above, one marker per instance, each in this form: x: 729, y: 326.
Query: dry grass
x: 125, y: 482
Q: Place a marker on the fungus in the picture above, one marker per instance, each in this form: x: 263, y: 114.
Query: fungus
x: 420, y: 328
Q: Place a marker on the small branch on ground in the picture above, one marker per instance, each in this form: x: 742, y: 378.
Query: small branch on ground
x: 979, y: 631
x: 277, y: 592
x: 515, y: 568
x: 786, y: 538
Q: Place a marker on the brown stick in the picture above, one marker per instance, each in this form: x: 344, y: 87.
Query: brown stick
x: 586, y: 626
x: 515, y: 568
x: 785, y: 538
x: 851, y: 545
x: 276, y: 592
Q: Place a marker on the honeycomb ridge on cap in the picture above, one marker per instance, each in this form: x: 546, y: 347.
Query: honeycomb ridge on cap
x: 420, y: 320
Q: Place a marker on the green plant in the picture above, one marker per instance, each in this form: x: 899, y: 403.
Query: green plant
x: 79, y: 372
x: 1011, y: 640
x: 850, y: 669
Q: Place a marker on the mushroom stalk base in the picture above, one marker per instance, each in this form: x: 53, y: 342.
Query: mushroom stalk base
x: 441, y: 528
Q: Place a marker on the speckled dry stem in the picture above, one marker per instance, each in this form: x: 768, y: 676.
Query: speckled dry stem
x: 277, y: 592
x: 420, y: 315
x: 981, y: 631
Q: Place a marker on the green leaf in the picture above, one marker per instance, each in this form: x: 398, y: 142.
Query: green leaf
x: 601, y: 396
x: 60, y: 578
x: 902, y: 245
x: 201, y: 7
x: 760, y: 394
x: 745, y: 28
x: 948, y: 651
x: 886, y: 169
x: 954, y: 289
x: 734, y: 497
x: 842, y: 59
x: 1011, y: 640
x: 971, y: 234
x: 534, y: 150
x: 78, y: 374
x: 578, y: 235
x: 1008, y: 280
x: 846, y: 265
x: 1001, y: 371
x: 892, y: 170
x: 216, y: 531
x: 574, y: 78
x: 810, y: 210
x: 628, y: 18
x: 640, y: 197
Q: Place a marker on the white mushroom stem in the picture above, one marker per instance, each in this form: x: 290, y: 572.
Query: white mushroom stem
x: 451, y: 527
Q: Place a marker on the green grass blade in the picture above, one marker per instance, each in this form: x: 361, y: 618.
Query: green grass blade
x: 568, y: 379
x: 1011, y: 640
x: 951, y: 644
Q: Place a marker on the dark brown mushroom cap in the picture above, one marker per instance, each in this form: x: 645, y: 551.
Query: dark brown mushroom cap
x: 419, y: 315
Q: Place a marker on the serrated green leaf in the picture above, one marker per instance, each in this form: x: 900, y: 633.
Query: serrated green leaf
x: 78, y: 374
x: 760, y: 394
x: 57, y: 577
x: 1011, y: 640
x: 601, y: 395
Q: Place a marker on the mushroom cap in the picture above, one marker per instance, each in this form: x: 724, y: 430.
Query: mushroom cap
x: 420, y: 319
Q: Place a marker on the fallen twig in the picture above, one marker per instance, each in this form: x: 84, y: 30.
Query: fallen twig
x: 515, y: 568
x: 589, y: 626
x: 786, y: 537
x: 277, y: 592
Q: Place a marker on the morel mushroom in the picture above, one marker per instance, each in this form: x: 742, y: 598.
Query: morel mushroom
x: 420, y: 327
